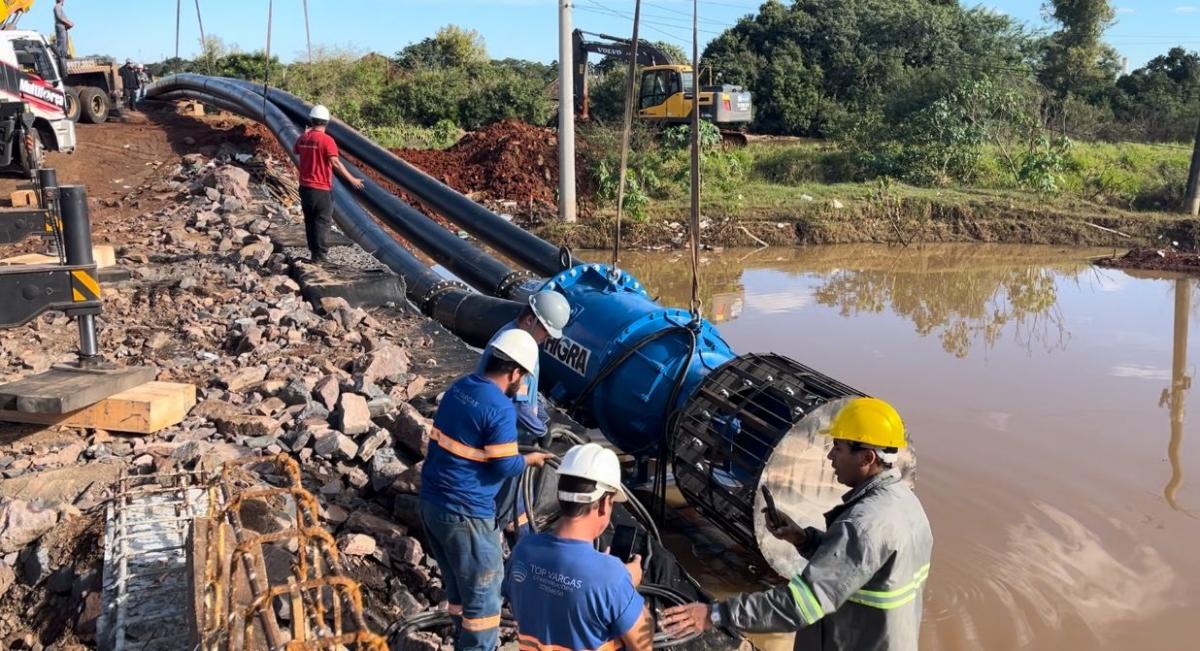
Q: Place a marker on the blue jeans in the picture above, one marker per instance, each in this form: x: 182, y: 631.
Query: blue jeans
x: 467, y: 551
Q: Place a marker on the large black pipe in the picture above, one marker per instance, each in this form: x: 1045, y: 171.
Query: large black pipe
x: 473, y: 317
x: 524, y: 247
x: 470, y: 263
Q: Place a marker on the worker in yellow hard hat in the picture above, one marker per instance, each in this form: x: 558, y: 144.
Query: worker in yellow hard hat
x: 866, y: 571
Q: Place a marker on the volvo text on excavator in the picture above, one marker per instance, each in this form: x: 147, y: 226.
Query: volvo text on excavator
x: 663, y: 93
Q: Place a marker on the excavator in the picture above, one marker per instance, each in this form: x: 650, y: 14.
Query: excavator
x: 664, y: 91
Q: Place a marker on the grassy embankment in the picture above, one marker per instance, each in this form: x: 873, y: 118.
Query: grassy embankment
x: 785, y: 193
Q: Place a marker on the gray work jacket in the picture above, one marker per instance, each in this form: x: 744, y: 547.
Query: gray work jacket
x: 864, y: 579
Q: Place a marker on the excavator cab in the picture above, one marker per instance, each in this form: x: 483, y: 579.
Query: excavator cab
x: 662, y: 94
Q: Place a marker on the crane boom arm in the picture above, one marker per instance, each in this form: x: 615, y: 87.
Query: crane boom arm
x: 613, y: 46
x: 12, y: 10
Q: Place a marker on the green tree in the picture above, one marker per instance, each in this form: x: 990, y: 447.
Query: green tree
x: 816, y: 61
x: 451, y: 47
x: 1160, y: 100
x: 1075, y: 61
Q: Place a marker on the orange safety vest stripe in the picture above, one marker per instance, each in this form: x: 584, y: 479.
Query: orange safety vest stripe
x: 459, y: 449
x: 531, y: 642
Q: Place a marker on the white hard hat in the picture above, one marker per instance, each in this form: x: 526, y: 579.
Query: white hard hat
x: 319, y: 112
x: 518, y: 346
x: 597, y: 463
x: 552, y: 310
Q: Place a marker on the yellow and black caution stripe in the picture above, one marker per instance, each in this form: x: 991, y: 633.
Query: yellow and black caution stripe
x: 84, y: 286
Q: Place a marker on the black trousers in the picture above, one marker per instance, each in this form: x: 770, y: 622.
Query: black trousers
x: 318, y: 217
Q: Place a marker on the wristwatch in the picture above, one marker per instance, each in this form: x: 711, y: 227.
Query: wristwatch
x: 714, y: 615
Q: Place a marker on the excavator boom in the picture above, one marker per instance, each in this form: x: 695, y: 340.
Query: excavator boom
x: 12, y: 10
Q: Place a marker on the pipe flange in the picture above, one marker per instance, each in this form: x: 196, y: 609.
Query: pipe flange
x: 512, y: 281
x: 437, y: 290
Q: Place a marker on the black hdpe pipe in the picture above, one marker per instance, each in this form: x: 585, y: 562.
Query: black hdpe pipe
x: 470, y: 263
x: 472, y: 317
x: 527, y: 249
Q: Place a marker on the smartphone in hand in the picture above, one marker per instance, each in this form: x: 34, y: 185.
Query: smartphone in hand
x: 773, y: 517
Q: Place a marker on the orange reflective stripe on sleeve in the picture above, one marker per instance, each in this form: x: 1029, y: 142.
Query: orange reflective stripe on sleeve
x: 531, y: 642
x: 478, y: 624
x: 459, y: 449
x: 501, y: 450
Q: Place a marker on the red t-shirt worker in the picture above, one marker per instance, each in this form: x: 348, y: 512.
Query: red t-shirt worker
x: 318, y: 158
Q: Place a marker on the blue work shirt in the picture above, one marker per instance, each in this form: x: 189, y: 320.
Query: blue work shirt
x: 472, y: 448
x: 529, y: 416
x: 565, y: 594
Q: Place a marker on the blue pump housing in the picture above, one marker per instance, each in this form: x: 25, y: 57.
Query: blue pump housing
x: 618, y: 365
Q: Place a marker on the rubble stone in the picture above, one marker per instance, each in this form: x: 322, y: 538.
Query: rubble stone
x: 23, y: 522
x: 371, y: 444
x: 326, y: 391
x: 243, y: 378
x: 411, y: 429
x: 353, y: 416
x: 356, y: 544
x: 389, y: 362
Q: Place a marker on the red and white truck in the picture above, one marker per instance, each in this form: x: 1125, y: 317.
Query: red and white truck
x: 33, y: 102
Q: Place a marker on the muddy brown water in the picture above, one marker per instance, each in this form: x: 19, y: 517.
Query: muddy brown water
x: 1047, y: 399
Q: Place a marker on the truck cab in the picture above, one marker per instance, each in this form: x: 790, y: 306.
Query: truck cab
x: 33, y: 100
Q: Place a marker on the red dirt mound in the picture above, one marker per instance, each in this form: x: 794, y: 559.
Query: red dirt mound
x: 506, y: 161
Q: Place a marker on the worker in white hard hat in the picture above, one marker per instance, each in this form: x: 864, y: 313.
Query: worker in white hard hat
x: 318, y: 154
x: 545, y: 315
x: 563, y: 593
x: 473, y: 448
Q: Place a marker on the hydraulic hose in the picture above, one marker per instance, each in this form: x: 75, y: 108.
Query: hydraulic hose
x: 473, y: 317
x: 520, y: 245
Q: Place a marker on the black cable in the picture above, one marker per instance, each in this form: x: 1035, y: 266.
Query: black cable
x: 674, y: 598
x: 666, y: 447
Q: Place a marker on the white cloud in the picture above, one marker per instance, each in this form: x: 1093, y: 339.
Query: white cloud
x: 1186, y: 9
x: 1126, y: 10
x: 1140, y: 372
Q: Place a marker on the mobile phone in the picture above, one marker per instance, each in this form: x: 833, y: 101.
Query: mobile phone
x: 773, y: 517
x: 627, y: 541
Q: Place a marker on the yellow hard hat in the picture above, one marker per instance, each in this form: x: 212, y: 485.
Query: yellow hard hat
x: 869, y: 421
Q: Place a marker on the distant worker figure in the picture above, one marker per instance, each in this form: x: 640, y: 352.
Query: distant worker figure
x: 62, y: 41
x: 318, y: 155
x: 143, y: 81
x: 564, y: 593
x: 866, y: 572
x: 131, y: 83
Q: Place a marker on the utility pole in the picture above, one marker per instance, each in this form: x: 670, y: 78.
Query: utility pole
x: 1192, y: 198
x: 566, y: 116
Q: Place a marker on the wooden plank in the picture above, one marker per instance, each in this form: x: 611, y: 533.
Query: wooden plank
x: 105, y: 256
x: 24, y: 199
x: 144, y: 409
x: 60, y: 391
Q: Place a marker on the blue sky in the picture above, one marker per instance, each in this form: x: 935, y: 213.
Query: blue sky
x: 145, y: 29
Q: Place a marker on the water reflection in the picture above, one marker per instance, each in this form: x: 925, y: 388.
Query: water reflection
x: 963, y: 295
x: 1172, y: 398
